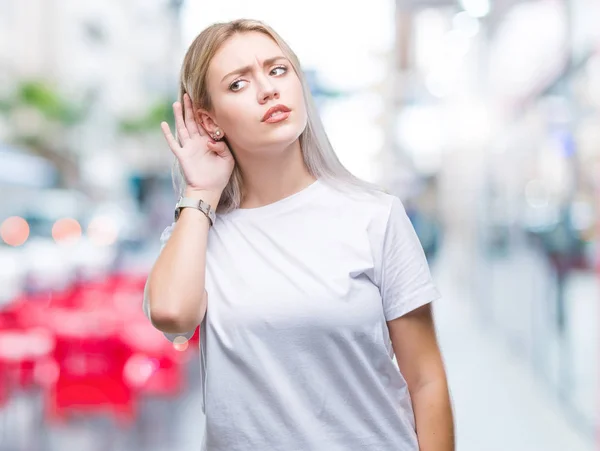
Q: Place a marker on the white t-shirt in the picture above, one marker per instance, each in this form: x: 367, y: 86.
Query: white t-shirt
x: 295, y: 350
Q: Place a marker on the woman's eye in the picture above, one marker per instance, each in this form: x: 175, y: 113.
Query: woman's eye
x: 283, y: 70
x: 235, y: 86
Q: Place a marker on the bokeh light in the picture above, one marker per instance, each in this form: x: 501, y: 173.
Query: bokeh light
x: 66, y: 230
x: 102, y: 231
x: 14, y: 231
x: 180, y: 343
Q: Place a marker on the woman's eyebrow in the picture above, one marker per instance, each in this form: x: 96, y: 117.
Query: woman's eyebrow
x: 246, y: 69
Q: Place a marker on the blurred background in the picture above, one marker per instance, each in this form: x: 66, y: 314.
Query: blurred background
x: 483, y: 116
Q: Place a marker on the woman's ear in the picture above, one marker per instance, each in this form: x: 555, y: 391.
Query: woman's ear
x: 205, y: 120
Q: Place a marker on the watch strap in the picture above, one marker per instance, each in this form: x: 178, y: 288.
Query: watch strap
x: 199, y: 204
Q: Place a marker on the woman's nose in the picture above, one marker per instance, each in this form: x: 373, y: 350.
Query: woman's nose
x: 268, y: 92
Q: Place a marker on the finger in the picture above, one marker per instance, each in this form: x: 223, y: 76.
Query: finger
x: 173, y: 145
x: 219, y: 148
x: 190, y: 121
x: 182, y: 132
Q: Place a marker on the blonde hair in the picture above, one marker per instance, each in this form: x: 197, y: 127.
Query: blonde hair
x: 318, y: 154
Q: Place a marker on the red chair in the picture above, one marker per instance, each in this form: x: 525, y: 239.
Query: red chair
x: 104, y: 351
x: 4, y: 389
x: 20, y: 352
x: 127, y: 281
x: 90, y: 359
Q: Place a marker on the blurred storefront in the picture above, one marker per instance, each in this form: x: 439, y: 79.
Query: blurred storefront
x: 499, y: 102
x: 542, y: 185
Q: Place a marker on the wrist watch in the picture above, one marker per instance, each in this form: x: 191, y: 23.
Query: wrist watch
x: 199, y: 204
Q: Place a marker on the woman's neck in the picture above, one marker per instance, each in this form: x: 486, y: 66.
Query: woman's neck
x: 267, y: 180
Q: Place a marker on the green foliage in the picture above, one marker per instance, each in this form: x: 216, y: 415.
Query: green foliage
x: 44, y: 98
x: 149, y: 122
x: 5, y: 106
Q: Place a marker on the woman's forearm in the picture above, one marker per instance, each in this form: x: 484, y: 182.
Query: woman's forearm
x: 175, y: 299
x: 433, y: 415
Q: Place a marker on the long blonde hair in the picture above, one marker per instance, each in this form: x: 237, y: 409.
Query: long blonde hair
x: 318, y: 154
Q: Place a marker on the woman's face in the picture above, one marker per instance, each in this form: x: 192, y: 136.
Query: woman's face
x: 247, y: 77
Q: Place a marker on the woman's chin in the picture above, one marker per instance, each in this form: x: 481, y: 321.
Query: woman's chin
x: 283, y: 137
x: 273, y: 147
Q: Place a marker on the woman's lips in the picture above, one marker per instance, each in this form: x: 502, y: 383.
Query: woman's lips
x: 275, y: 109
x: 278, y: 117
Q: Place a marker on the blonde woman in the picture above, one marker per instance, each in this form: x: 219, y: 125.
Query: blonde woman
x: 304, y: 280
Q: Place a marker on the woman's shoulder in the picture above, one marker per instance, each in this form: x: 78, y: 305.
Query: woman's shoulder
x: 364, y: 199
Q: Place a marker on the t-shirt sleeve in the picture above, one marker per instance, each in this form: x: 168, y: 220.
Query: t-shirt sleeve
x: 404, y: 278
x: 164, y: 237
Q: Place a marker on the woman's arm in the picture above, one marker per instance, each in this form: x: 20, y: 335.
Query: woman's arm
x: 175, y: 298
x: 420, y: 361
